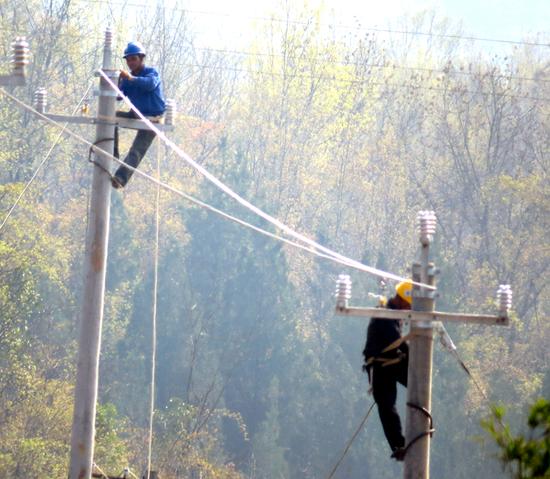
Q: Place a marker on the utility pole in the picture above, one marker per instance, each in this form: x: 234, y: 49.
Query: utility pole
x: 82, y: 435
x: 422, y: 318
x: 419, y: 427
x: 83, y: 429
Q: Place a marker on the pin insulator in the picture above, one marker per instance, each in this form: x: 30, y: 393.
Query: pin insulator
x: 20, y: 57
x: 108, y: 38
x: 504, y: 299
x: 343, y: 290
x: 41, y: 100
x: 426, y: 226
x: 170, y: 114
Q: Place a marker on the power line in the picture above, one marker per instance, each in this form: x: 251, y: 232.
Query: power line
x: 362, y: 81
x: 332, y: 256
x: 228, y: 191
x: 338, y: 25
x: 320, y: 60
x: 55, y: 143
x: 370, y: 65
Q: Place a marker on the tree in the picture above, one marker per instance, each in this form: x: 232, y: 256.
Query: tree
x: 527, y: 456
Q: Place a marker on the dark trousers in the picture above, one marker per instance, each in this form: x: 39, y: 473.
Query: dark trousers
x: 384, y: 390
x: 139, y: 147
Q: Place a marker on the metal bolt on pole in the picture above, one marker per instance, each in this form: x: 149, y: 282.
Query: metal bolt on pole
x: 82, y: 437
x: 419, y: 389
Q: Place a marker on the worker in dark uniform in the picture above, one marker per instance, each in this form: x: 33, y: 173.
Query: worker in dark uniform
x: 142, y: 85
x: 388, y: 366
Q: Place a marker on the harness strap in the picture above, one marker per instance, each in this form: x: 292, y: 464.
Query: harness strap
x: 398, y: 342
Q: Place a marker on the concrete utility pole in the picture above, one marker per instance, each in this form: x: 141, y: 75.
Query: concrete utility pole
x: 422, y: 318
x: 419, y: 390
x: 82, y: 437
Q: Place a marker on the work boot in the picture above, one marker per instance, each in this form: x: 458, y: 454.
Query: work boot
x: 399, y: 454
x: 117, y: 182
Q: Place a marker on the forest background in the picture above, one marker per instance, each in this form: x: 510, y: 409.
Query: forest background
x: 343, y: 137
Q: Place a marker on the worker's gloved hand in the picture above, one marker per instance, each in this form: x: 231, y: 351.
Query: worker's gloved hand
x: 125, y: 75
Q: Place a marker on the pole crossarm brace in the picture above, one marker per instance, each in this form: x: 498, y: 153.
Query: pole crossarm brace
x: 117, y: 121
x: 409, y: 315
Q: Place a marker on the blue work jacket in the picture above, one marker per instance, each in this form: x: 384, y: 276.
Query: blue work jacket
x: 145, y: 92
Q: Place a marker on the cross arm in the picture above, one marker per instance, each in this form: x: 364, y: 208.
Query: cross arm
x: 409, y: 315
x: 121, y: 122
x: 12, y: 80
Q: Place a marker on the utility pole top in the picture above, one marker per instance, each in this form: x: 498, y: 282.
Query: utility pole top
x: 423, y: 320
x: 19, y: 62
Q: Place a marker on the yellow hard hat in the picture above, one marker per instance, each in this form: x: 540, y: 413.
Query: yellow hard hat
x: 404, y: 291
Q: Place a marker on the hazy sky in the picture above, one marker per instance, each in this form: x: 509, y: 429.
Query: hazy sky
x: 503, y: 19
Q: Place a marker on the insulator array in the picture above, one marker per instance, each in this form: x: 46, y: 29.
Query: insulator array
x: 343, y: 290
x: 504, y: 299
x: 170, y: 114
x: 426, y: 226
x: 41, y: 100
x: 109, y: 38
x: 20, y: 57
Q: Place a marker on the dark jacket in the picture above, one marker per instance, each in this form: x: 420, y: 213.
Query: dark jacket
x: 380, y: 334
x: 145, y: 92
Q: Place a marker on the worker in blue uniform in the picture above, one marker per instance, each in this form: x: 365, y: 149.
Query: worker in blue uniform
x: 386, y: 361
x: 142, y: 85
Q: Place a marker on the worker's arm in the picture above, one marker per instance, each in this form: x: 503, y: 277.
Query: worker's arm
x: 146, y: 82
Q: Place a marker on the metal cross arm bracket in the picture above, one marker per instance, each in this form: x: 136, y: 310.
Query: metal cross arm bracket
x: 343, y: 295
x: 41, y: 102
x: 409, y: 315
x: 120, y: 122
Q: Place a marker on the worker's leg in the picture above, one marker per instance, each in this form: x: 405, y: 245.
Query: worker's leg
x: 384, y: 389
x: 141, y: 144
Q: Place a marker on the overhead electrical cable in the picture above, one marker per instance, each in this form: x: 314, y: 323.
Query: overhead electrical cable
x: 368, y: 81
x: 336, y: 25
x: 54, y: 144
x: 226, y: 189
x: 342, y: 261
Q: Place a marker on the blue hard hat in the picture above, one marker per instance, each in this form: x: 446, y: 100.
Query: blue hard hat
x: 134, y: 48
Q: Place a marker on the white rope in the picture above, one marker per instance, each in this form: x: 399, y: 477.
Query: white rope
x: 100, y: 470
x: 154, y: 319
x: 54, y: 144
x: 226, y: 189
x: 345, y: 261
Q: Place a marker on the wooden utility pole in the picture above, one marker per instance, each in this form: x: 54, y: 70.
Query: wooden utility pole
x: 82, y: 437
x: 422, y: 317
